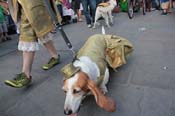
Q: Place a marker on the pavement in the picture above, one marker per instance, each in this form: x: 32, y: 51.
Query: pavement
x: 145, y: 86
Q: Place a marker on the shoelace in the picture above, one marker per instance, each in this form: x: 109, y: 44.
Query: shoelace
x: 52, y: 59
x: 19, y: 78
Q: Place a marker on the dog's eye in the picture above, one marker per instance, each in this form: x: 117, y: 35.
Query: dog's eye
x: 76, y: 91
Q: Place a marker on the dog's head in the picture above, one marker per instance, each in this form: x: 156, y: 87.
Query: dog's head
x: 113, y: 2
x: 77, y: 87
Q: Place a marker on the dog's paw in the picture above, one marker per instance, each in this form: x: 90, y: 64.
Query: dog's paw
x: 104, y: 90
x: 111, y: 23
x: 93, y: 27
x: 108, y: 26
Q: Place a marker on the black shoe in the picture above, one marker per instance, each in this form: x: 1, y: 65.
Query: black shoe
x: 4, y: 39
x: 164, y: 13
x: 8, y: 38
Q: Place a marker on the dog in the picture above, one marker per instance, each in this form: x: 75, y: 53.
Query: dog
x: 89, y: 73
x: 105, y: 10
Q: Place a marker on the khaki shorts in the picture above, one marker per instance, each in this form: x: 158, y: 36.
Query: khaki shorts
x: 28, y: 39
x: 27, y: 33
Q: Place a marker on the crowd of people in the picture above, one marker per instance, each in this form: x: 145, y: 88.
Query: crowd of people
x: 71, y: 11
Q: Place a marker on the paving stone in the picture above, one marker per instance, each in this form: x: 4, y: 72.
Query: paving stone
x: 123, y: 73
x: 150, y: 71
x: 128, y: 99
x: 158, y: 102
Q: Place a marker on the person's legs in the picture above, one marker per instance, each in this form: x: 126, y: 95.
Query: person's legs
x: 28, y: 58
x: 78, y: 9
x: 51, y: 49
x: 93, y: 8
x: 55, y: 57
x: 1, y: 33
x: 86, y: 11
x: 28, y: 45
x: 164, y: 5
x: 170, y: 6
x: 5, y: 30
x: 79, y: 15
x: 60, y: 9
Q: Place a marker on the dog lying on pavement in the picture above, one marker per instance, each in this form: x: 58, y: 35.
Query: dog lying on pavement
x: 105, y: 10
x: 89, y: 72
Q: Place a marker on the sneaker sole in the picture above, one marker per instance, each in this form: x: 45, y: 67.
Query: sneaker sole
x: 13, y: 85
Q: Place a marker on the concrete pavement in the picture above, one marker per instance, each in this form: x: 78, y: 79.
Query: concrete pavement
x: 143, y: 87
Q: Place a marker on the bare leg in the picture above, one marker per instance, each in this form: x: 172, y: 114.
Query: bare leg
x: 28, y: 58
x: 170, y: 6
x: 79, y: 15
x: 51, y: 49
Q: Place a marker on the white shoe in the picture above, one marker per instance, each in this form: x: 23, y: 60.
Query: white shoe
x: 89, y: 25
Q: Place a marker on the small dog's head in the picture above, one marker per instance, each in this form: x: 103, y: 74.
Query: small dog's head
x: 77, y: 87
x: 113, y: 2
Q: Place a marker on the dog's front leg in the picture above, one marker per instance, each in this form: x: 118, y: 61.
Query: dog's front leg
x: 97, y: 16
x: 103, y: 88
x: 111, y: 17
x: 106, y: 20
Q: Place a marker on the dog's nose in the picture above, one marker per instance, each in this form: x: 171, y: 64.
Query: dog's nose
x: 67, y: 112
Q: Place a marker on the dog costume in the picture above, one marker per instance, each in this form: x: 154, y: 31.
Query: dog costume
x: 104, y: 50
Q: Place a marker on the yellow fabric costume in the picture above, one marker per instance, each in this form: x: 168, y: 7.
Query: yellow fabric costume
x: 104, y: 50
x: 35, y: 21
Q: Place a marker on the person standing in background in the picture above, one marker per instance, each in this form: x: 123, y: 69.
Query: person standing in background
x: 3, y: 26
x: 77, y: 6
x: 89, y: 8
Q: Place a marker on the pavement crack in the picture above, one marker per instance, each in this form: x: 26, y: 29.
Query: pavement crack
x: 140, y: 103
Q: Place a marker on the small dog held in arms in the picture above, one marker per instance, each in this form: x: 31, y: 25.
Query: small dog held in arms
x: 88, y: 73
x: 104, y: 10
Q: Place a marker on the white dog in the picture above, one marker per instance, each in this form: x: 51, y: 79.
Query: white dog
x: 89, y: 71
x: 105, y: 10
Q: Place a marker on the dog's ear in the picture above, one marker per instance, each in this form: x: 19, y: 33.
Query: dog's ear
x: 104, y: 102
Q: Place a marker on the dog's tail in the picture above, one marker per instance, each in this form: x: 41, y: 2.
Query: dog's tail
x: 103, y: 30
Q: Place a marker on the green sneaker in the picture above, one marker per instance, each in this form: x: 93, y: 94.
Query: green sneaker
x: 52, y: 62
x: 19, y: 81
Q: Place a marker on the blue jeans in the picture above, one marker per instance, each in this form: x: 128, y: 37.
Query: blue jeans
x: 89, y: 13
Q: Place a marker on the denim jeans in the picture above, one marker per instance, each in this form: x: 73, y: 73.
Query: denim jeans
x: 89, y: 13
x: 156, y: 4
x: 60, y: 10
